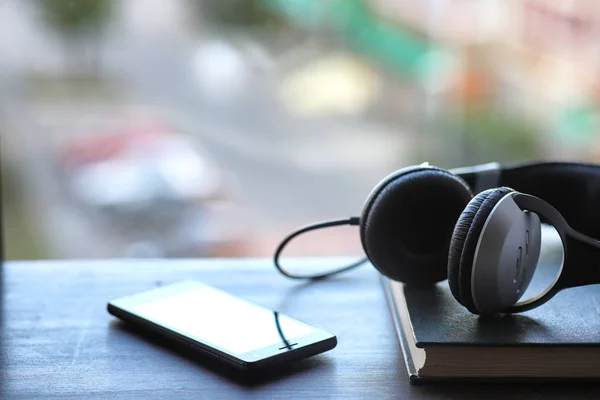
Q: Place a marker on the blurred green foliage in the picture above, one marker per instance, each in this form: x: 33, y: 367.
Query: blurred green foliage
x: 22, y: 239
x: 242, y: 13
x: 80, y: 24
x: 386, y: 42
x: 76, y: 16
x: 575, y: 126
x: 493, y: 134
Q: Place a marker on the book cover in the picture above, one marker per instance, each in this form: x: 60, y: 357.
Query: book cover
x: 441, y: 339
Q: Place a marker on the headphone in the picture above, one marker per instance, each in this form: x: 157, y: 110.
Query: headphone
x: 480, y: 228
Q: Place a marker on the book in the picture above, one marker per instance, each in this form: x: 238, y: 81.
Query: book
x: 442, y: 340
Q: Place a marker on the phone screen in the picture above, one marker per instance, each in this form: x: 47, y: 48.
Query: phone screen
x: 223, y: 321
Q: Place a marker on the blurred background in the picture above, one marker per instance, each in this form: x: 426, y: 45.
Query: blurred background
x: 205, y: 128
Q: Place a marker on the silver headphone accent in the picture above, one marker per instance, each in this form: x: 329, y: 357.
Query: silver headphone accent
x: 506, y: 256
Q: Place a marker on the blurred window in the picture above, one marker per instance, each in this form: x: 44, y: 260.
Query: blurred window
x: 202, y: 128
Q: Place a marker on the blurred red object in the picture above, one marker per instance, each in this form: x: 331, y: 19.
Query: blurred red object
x: 100, y: 146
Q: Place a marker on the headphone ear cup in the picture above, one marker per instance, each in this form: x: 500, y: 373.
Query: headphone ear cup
x: 407, y: 223
x: 464, y: 243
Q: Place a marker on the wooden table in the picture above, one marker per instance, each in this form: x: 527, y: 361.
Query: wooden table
x: 58, y: 341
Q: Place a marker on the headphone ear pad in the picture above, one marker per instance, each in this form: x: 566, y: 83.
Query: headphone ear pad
x: 407, y: 223
x: 464, y: 243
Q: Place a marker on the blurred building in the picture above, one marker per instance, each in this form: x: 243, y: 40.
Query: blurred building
x: 545, y: 61
x: 452, y: 32
x: 530, y: 60
x: 460, y: 22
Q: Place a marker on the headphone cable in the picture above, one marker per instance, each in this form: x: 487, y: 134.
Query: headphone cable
x: 319, y: 225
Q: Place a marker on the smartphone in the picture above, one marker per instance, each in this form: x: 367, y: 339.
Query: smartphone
x: 222, y: 326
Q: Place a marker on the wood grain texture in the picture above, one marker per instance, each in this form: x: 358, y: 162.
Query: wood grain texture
x: 58, y: 341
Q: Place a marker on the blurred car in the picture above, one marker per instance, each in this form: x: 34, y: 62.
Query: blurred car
x: 155, y: 191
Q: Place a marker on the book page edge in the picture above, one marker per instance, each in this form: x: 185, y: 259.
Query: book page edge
x: 414, y: 357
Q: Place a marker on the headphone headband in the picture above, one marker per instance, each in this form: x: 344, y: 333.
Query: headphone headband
x: 490, y: 175
x: 482, y: 177
x: 572, y: 188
